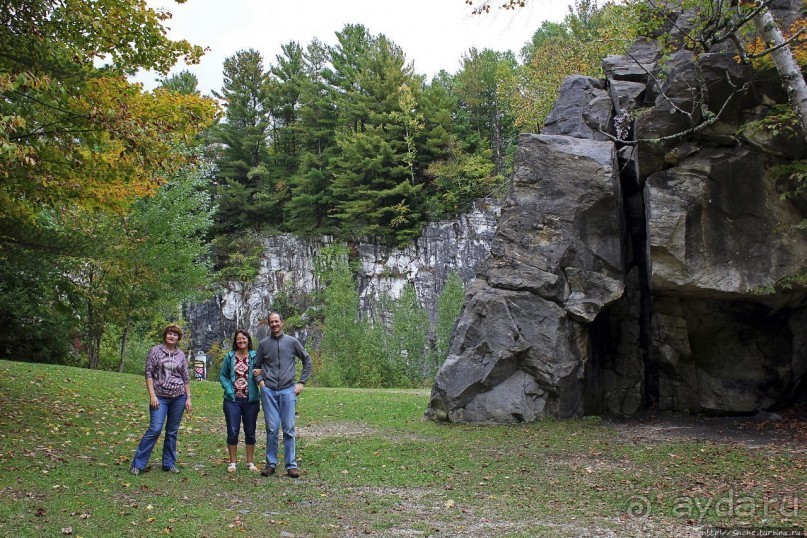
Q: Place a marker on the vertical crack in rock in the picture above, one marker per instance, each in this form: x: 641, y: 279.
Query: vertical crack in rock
x: 640, y: 276
x: 555, y: 264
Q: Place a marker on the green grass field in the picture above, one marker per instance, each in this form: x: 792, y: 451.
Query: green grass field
x: 371, y: 466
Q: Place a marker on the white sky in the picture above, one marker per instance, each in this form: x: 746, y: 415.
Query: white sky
x: 434, y: 34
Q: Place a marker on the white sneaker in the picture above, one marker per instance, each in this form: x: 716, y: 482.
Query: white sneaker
x: 231, y: 468
x: 251, y: 467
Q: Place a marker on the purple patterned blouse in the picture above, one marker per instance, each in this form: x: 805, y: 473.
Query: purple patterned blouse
x: 168, y: 371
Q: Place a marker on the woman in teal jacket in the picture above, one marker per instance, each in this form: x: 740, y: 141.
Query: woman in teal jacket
x: 242, y: 399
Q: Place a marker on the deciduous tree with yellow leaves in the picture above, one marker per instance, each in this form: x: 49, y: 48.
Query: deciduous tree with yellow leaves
x: 80, y: 145
x: 73, y: 130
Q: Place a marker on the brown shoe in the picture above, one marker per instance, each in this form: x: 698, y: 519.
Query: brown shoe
x: 293, y: 473
x: 269, y: 471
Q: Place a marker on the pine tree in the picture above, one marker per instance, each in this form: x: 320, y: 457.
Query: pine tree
x: 374, y: 187
x: 308, y: 209
x: 286, y: 80
x: 241, y: 198
x: 184, y: 83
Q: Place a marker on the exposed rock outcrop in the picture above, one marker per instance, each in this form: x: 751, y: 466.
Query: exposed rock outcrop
x: 287, y: 266
x: 519, y: 350
x: 630, y: 276
x: 620, y: 276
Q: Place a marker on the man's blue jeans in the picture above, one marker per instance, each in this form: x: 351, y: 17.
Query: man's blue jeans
x: 279, y: 408
x: 170, y: 414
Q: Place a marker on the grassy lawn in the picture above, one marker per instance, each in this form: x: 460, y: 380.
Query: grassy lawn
x: 371, y: 466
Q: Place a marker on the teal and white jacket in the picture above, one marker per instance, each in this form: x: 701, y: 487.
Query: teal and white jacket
x: 227, y: 378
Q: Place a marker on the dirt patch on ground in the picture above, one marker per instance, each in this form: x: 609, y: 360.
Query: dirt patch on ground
x: 786, y: 430
x: 334, y: 429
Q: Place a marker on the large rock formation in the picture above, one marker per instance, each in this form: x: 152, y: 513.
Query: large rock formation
x: 287, y: 267
x: 520, y: 348
x: 620, y: 276
x: 627, y: 276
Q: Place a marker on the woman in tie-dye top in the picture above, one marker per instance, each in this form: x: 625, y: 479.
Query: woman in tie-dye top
x: 242, y: 399
x: 169, y: 389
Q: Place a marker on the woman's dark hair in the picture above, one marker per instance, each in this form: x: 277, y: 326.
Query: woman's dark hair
x: 245, y: 333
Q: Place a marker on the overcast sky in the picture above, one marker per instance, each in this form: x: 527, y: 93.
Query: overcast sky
x: 433, y: 34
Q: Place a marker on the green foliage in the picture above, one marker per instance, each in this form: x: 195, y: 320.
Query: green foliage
x: 135, y: 264
x: 407, y: 349
x: 293, y: 306
x: 374, y: 184
x: 461, y: 180
x: 157, y: 257
x: 361, y: 351
x: 310, y: 203
x: 796, y: 171
x: 183, y: 82
x: 73, y: 133
x: 449, y: 307
x: 373, y: 193
x: 779, y: 119
x: 486, y: 114
x: 372, y: 366
x: 284, y: 100
x: 796, y: 280
x: 244, y: 200
x: 576, y: 46
x: 39, y: 309
x: 82, y: 151
x: 709, y: 23
x: 239, y: 257
x: 438, y: 108
x: 342, y: 334
x: 347, y: 141
x: 215, y: 358
x: 139, y: 341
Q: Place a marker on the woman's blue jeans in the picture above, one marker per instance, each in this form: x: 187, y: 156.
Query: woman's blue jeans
x: 237, y: 411
x: 169, y: 414
x: 279, y: 408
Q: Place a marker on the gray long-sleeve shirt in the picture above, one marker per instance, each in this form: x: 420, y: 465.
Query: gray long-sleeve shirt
x: 276, y: 359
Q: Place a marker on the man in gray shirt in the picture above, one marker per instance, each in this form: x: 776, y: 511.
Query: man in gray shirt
x: 275, y: 374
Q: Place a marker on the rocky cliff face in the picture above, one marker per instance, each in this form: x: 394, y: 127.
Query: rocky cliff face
x: 287, y: 266
x: 625, y: 276
x: 618, y: 277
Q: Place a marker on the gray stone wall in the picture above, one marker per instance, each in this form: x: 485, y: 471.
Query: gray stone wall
x: 287, y: 265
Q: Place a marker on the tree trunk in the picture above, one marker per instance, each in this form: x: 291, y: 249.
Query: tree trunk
x: 123, y: 339
x: 92, y: 347
x: 786, y: 65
